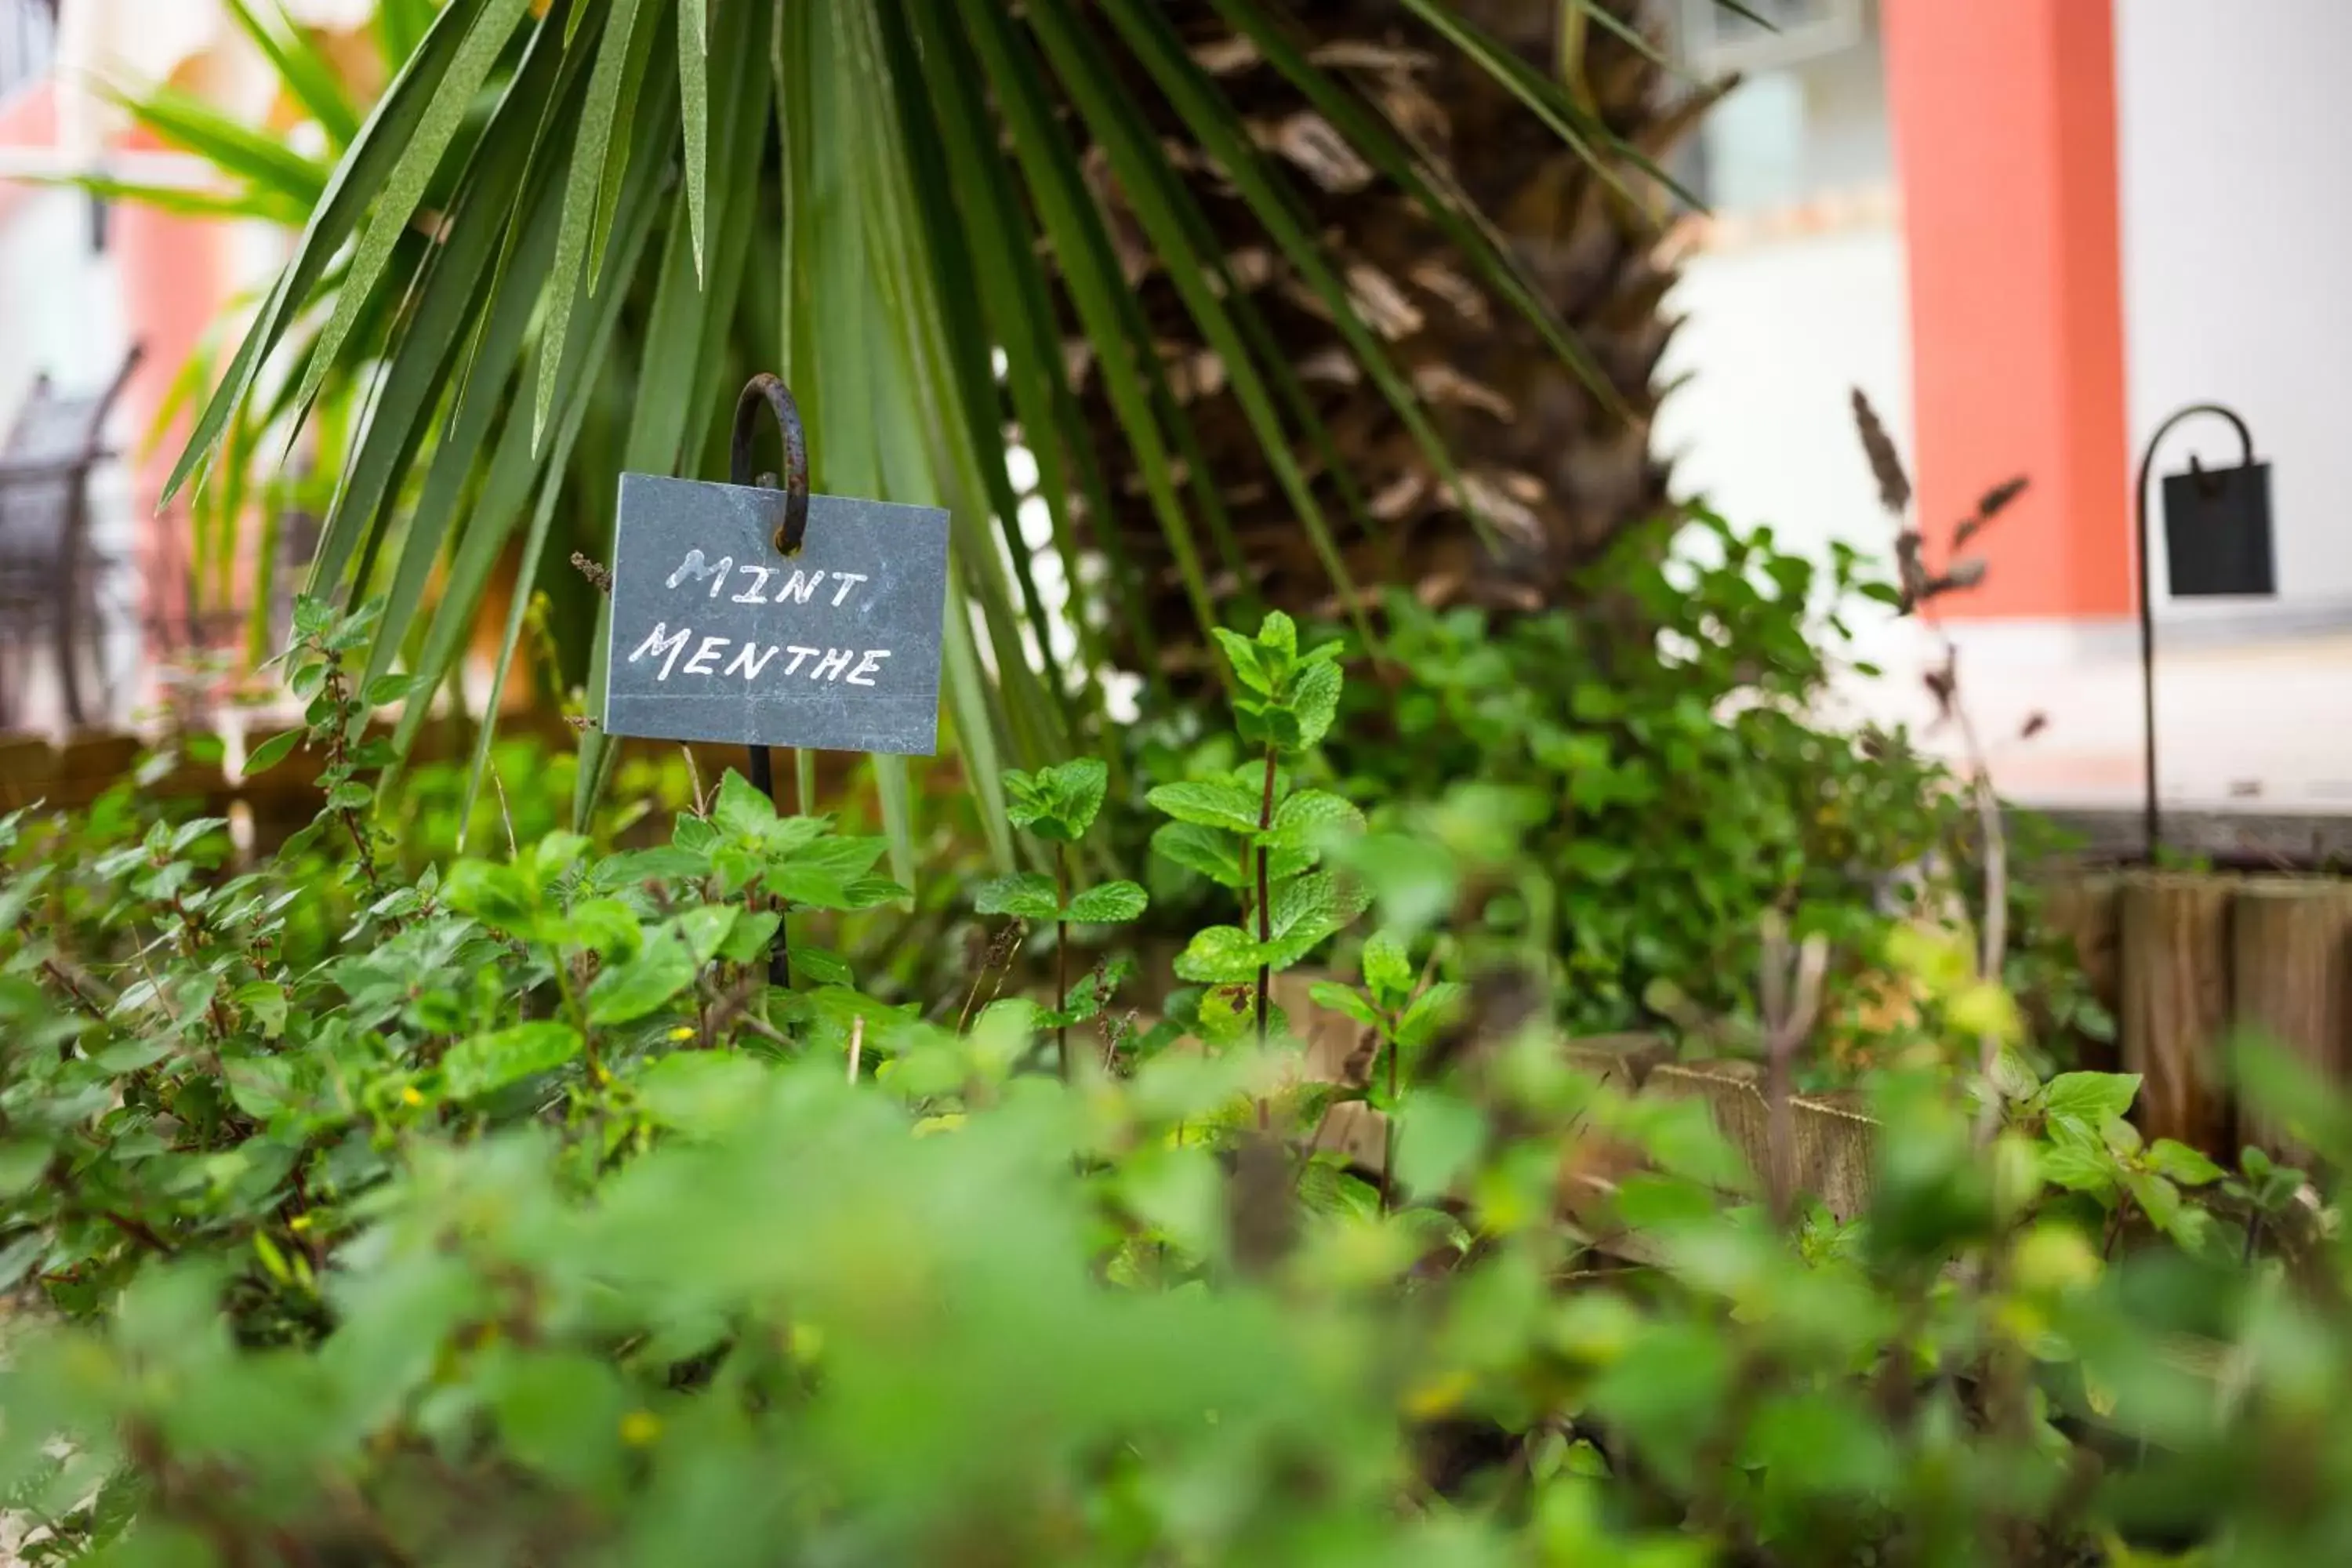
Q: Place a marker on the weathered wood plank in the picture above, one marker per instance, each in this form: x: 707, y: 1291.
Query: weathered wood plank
x: 2290, y: 976
x: 2175, y: 1012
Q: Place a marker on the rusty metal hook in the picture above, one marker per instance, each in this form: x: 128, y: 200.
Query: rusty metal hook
x: 771, y: 391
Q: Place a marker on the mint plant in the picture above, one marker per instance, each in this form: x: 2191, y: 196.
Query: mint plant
x: 1057, y: 805
x: 318, y: 664
x: 1252, y: 832
x: 1403, y: 1016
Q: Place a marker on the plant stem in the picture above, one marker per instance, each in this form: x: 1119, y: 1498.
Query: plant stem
x: 1062, y: 956
x: 1265, y: 903
x: 1389, y: 1130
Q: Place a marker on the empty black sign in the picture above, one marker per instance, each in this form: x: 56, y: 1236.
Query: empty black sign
x: 717, y: 637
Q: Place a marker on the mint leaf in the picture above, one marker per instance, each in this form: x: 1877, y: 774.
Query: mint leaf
x: 629, y: 991
x: 1208, y: 804
x: 491, y: 1062
x: 1113, y: 903
x: 1028, y: 895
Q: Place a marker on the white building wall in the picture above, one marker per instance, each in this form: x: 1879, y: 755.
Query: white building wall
x: 1777, y: 336
x: 2237, y: 220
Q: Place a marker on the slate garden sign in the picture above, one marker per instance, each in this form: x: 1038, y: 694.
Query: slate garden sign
x: 767, y: 617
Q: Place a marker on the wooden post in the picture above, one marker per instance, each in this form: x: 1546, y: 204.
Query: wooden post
x: 2084, y: 908
x: 2175, y: 983
x: 2292, y: 975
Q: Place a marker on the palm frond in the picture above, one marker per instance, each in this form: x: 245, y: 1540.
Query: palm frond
x: 565, y: 232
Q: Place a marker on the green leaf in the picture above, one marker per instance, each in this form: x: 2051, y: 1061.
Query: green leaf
x: 395, y: 206
x: 2181, y: 1164
x: 2079, y: 1167
x: 1306, y: 817
x: 583, y: 192
x: 1220, y: 955
x: 1433, y: 1010
x: 23, y: 1162
x: 606, y: 926
x: 308, y: 74
x: 694, y: 96
x: 1437, y: 1136
x: 706, y: 930
x: 2090, y: 1098
x: 1112, y: 903
x: 1027, y: 895
x: 822, y: 967
x: 183, y: 121
x: 194, y: 831
x: 266, y: 1002
x: 1315, y: 701
x: 2157, y: 1197
x: 447, y: 307
x: 1129, y: 372
x: 641, y: 985
x: 1217, y: 854
x: 504, y: 488
x: 1388, y: 969
x: 1057, y: 802
x: 1208, y: 804
x: 1341, y: 999
x: 1320, y: 902
x: 752, y: 935
x: 558, y: 1413
x: 740, y: 810
x: 1279, y: 633
x: 700, y: 1092
x: 1242, y: 654
x: 486, y: 1063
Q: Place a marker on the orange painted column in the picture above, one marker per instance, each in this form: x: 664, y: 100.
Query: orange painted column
x: 2004, y: 121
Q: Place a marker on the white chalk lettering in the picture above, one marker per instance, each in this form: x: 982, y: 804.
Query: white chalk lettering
x: 830, y: 666
x: 661, y: 641
x: 870, y: 665
x: 751, y: 666
x: 711, y: 649
x: 799, y: 586
x: 848, y: 580
x: 695, y: 567
x: 798, y: 654
x: 751, y: 595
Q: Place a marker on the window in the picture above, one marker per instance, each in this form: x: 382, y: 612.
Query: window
x: 1719, y: 39
x: 28, y: 37
x: 1809, y: 119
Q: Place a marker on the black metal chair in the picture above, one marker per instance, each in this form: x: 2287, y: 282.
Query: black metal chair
x: 52, y: 574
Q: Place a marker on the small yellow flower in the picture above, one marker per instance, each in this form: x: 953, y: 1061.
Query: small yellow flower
x: 683, y: 1032
x: 1437, y: 1396
x: 408, y: 1096
x: 639, y: 1429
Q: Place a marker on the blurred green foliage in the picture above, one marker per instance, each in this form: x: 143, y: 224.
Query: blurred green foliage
x: 1637, y: 809
x: 504, y: 1211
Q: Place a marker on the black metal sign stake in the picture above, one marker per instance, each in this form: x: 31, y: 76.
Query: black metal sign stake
x: 2217, y: 533
x: 764, y: 388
